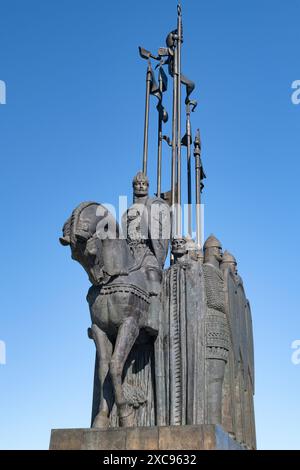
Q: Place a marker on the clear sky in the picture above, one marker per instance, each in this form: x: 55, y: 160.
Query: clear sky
x: 72, y: 130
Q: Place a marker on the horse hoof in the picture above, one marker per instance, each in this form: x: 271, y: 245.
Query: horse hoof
x: 100, y: 422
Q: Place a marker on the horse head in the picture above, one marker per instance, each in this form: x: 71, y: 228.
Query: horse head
x: 80, y: 233
x: 94, y: 238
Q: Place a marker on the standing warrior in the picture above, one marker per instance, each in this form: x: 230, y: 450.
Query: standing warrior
x: 147, y: 226
x: 239, y: 315
x: 216, y: 329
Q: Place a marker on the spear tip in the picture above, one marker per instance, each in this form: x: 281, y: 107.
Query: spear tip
x: 198, y: 139
x: 179, y: 7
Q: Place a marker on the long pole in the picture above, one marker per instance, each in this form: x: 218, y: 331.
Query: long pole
x: 178, y: 53
x: 197, y: 155
x: 189, y: 174
x: 160, y: 138
x: 146, y: 125
x: 174, y: 146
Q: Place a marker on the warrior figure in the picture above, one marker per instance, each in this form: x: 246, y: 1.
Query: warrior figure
x: 147, y: 226
x: 241, y: 362
x: 216, y: 329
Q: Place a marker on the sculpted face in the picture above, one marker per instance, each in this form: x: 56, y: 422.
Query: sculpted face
x: 140, y: 188
x: 213, y: 252
x: 229, y: 262
x: 218, y: 254
x: 179, y: 246
x: 140, y: 185
x: 232, y: 267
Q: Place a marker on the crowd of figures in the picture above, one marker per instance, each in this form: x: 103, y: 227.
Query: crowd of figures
x: 174, y: 346
x: 206, y: 343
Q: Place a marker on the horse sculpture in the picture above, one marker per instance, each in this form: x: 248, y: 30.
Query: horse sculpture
x: 118, y: 299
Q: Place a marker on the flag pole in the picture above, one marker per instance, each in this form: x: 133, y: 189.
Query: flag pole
x: 162, y: 118
x: 146, y: 122
x: 178, y: 110
x: 199, y: 176
x: 188, y: 159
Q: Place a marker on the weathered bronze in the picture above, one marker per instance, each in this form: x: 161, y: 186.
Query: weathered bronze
x: 125, y: 274
x: 174, y: 345
x: 199, y: 176
x: 162, y: 118
x: 151, y: 89
x: 178, y: 121
x: 187, y: 141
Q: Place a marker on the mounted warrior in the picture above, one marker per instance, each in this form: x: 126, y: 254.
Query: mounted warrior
x: 147, y: 227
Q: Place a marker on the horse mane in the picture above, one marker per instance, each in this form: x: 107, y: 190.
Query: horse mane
x: 75, y: 218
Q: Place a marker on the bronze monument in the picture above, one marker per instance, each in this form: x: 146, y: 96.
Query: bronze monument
x: 174, y: 347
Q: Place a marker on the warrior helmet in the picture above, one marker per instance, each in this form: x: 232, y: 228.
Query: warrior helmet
x: 140, y: 176
x: 228, y: 258
x: 212, y: 242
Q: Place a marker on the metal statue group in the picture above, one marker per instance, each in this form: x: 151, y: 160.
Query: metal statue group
x: 174, y: 344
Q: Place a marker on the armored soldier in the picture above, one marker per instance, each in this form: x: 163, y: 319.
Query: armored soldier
x: 229, y: 261
x: 216, y: 329
x: 239, y: 315
x: 146, y: 224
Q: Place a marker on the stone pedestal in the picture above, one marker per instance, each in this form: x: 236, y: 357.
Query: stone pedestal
x: 201, y: 437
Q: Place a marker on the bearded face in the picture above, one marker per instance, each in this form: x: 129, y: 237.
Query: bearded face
x: 179, y: 246
x: 140, y: 188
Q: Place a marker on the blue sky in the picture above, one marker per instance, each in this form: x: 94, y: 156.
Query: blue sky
x: 72, y: 130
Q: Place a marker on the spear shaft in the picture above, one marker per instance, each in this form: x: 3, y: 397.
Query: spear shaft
x: 198, y: 168
x: 146, y: 125
x: 178, y: 53
x: 160, y: 138
x: 174, y: 145
x: 189, y: 174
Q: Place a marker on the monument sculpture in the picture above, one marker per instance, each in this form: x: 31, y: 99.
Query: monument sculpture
x: 174, y: 345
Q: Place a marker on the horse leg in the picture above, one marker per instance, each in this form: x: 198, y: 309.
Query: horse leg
x: 127, y: 334
x: 104, y: 352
